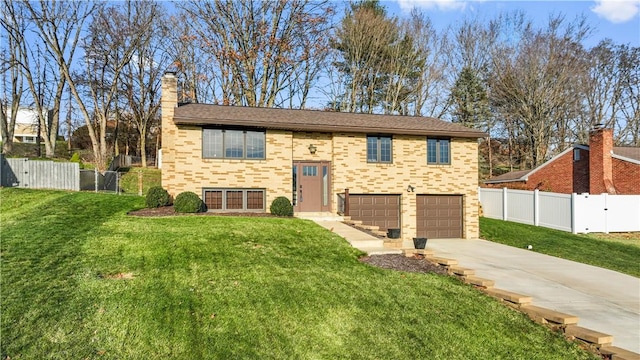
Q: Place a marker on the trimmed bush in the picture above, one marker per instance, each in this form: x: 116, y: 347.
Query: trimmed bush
x: 281, y: 206
x: 157, y: 197
x: 76, y: 158
x: 188, y: 202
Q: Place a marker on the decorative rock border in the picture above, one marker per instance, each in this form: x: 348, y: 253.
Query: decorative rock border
x: 596, y: 342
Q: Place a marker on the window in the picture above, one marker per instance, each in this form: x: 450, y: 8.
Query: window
x: 379, y: 149
x: 309, y: 171
x: 233, y: 144
x: 234, y: 199
x: 576, y: 154
x: 438, y: 151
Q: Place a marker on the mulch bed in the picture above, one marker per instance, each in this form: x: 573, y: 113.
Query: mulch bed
x: 397, y: 262
x: 170, y: 211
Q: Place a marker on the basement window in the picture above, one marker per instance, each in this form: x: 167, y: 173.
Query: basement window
x: 234, y: 199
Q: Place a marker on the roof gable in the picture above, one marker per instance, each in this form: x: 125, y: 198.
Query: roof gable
x: 523, y: 175
x: 314, y: 120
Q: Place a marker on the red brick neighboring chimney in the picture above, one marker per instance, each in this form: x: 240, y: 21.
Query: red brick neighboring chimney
x: 600, y: 161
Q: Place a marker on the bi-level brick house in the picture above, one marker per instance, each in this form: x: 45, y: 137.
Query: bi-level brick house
x: 597, y: 168
x: 415, y: 174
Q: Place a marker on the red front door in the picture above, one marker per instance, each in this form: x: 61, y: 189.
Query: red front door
x: 311, y: 186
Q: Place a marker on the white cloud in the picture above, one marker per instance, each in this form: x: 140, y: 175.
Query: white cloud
x: 617, y: 11
x: 444, y: 5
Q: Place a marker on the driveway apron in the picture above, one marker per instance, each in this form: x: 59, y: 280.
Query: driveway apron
x: 606, y: 301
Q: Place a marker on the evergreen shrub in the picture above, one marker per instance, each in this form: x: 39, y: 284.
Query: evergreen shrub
x: 281, y: 206
x: 188, y: 202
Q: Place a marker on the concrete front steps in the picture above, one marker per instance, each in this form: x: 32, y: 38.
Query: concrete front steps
x: 319, y: 216
x: 359, y: 239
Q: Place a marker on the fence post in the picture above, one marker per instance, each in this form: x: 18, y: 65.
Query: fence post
x: 118, y: 183
x: 504, y: 204
x: 95, y: 180
x: 573, y: 213
x: 606, y: 213
x: 536, y: 208
x: 140, y: 182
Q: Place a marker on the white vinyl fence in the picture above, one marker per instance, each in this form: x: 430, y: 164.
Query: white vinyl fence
x: 577, y: 213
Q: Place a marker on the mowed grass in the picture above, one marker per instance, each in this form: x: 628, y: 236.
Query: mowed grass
x: 130, y: 180
x: 613, y: 255
x: 82, y: 280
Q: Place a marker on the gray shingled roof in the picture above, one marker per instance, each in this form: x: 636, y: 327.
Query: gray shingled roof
x: 510, y: 176
x: 628, y: 152
x: 314, y: 120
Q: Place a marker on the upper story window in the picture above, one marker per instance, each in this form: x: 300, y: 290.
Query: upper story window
x: 438, y: 151
x: 576, y: 154
x: 233, y: 144
x: 379, y: 149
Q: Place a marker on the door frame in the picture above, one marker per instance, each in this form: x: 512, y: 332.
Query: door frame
x: 325, y: 190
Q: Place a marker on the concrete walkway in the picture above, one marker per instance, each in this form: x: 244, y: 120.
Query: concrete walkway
x: 358, y: 239
x: 604, y: 300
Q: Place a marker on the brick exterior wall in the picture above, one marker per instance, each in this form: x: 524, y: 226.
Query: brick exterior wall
x: 351, y: 170
x: 626, y: 177
x: 596, y: 172
x: 562, y: 175
x: 184, y: 169
x: 600, y: 162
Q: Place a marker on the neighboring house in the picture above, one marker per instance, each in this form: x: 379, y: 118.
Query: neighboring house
x: 415, y: 174
x: 597, y: 168
x: 26, y: 129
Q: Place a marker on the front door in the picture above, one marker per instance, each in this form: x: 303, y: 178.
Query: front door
x: 311, y: 186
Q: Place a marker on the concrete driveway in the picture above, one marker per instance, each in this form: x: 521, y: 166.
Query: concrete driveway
x: 604, y: 300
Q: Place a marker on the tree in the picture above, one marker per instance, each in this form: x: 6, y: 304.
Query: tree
x: 11, y: 68
x: 630, y: 99
x: 536, y: 86
x: 363, y: 41
x: 140, y: 78
x: 470, y: 103
x: 430, y: 93
x: 58, y: 24
x: 113, y: 37
x: 261, y: 48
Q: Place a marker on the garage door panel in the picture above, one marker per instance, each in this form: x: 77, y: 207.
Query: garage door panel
x: 379, y: 210
x: 439, y: 216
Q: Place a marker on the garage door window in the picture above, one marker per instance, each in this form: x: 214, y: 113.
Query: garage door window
x: 438, y: 151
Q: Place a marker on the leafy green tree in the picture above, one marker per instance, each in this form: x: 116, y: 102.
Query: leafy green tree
x: 363, y: 42
x: 470, y: 103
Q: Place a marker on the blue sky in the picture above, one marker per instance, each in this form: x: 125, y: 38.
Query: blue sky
x: 618, y: 20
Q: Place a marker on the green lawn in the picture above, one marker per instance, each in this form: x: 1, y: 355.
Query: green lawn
x: 129, y: 180
x: 587, y: 249
x: 82, y: 280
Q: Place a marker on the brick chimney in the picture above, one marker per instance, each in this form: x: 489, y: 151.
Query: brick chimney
x: 600, y: 162
x: 168, y: 102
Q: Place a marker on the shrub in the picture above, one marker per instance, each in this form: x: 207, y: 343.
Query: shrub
x: 188, y: 202
x: 76, y: 158
x: 281, y: 206
x: 157, y: 197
